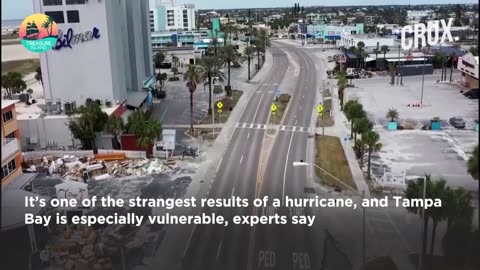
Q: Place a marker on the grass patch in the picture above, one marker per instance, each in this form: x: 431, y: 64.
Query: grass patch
x: 22, y: 66
x: 227, y: 103
x: 281, y: 106
x: 329, y: 155
x: 326, y: 120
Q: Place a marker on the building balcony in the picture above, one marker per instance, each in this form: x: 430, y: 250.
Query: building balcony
x: 9, y: 148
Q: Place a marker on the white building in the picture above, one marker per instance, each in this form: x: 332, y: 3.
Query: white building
x: 102, y: 53
x: 417, y: 15
x: 164, y: 17
x: 371, y: 41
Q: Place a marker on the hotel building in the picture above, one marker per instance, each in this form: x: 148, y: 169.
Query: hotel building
x: 11, y: 152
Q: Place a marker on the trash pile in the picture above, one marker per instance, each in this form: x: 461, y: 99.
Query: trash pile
x: 73, y: 168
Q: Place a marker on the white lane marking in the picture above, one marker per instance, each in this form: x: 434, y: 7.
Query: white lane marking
x: 233, y: 191
x: 303, y: 96
x: 300, y: 108
x: 218, y: 166
x: 219, y: 249
x: 241, y: 159
x: 163, y: 114
x: 189, y: 240
x: 258, y: 106
x: 296, y: 122
x: 285, y: 171
x: 248, y: 135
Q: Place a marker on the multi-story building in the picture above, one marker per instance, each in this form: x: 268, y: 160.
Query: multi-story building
x: 11, y: 151
x: 417, y: 15
x: 172, y: 18
x: 101, y: 52
x: 468, y: 65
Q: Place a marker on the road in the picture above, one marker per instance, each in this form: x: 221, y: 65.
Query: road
x: 218, y: 247
x: 258, y: 163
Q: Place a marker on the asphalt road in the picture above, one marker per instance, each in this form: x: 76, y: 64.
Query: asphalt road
x: 219, y: 247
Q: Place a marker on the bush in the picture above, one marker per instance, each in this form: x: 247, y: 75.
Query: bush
x: 161, y: 94
x: 284, y: 98
x: 172, y: 79
x: 217, y: 89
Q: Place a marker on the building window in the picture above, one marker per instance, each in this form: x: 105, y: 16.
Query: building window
x: 9, y: 168
x: 7, y: 116
x: 52, y: 2
x: 73, y: 16
x: 57, y: 16
x: 10, y: 136
x: 76, y: 2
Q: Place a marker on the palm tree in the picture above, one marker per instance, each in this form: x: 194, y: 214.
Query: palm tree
x: 144, y: 127
x: 248, y: 53
x: 355, y: 111
x: 13, y: 83
x: 161, y: 77
x: 158, y: 58
x: 193, y: 78
x: 376, y: 51
x: 38, y: 75
x: 384, y: 49
x: 229, y: 55
x: 392, y: 114
x: 437, y: 214
x: 472, y: 168
x: 215, y: 45
x: 360, y: 52
x: 261, y: 43
x: 342, y: 83
x: 209, y: 67
x: 115, y: 126
x: 361, y: 126
x: 371, y: 140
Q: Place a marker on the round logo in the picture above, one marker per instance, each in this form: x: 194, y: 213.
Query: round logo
x: 38, y: 33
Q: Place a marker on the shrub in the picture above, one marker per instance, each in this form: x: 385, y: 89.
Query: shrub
x: 161, y: 94
x: 284, y: 98
x: 217, y: 89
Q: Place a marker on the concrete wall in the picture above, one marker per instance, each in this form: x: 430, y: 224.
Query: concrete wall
x: 50, y: 132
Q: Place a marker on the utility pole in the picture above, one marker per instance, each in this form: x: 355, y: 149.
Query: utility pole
x: 323, y: 113
x: 398, y: 65
x: 423, y: 79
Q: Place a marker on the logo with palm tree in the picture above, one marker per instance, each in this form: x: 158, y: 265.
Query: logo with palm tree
x: 38, y: 33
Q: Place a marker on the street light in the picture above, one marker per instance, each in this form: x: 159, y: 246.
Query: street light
x: 301, y: 163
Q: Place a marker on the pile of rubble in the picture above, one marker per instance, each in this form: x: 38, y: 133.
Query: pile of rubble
x: 82, y: 169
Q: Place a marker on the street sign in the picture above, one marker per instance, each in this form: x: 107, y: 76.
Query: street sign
x: 345, y: 139
x: 320, y: 108
x: 219, y: 105
x: 220, y: 110
x: 277, y: 92
x: 274, y: 107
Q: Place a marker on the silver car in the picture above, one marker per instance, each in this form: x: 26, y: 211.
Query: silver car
x: 457, y: 122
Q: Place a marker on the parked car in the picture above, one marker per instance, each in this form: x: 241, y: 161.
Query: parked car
x: 457, y: 122
x: 472, y: 94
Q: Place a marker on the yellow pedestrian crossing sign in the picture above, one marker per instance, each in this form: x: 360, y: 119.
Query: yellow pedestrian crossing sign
x: 219, y: 105
x: 320, y: 109
x: 274, y: 107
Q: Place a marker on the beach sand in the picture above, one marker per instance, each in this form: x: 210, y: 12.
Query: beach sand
x: 17, y: 52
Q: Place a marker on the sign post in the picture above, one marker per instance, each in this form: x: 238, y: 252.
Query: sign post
x: 273, y: 108
x: 220, y: 106
x: 345, y: 139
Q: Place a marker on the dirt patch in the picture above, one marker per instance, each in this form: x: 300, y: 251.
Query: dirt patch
x: 22, y: 66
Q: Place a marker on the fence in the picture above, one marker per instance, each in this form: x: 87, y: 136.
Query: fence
x: 40, y: 154
x: 128, y: 153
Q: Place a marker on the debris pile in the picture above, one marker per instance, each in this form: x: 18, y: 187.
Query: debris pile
x: 73, y: 168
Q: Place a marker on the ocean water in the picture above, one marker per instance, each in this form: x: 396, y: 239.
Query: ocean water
x: 6, y: 24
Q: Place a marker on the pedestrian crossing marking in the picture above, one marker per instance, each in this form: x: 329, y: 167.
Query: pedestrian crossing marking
x: 277, y: 127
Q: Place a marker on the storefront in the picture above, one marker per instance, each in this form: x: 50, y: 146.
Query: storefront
x: 468, y: 65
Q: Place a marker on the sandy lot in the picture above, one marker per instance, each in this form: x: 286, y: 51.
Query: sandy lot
x: 17, y: 52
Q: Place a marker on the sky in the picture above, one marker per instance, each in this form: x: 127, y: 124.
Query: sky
x: 19, y: 9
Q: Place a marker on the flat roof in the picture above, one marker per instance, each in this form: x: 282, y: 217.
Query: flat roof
x: 8, y: 102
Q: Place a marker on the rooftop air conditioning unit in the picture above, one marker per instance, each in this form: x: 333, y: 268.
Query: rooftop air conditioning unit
x: 108, y: 103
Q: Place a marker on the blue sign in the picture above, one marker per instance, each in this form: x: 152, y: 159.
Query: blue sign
x: 345, y: 139
x: 69, y: 39
x: 277, y: 92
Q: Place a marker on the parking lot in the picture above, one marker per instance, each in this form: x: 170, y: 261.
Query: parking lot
x: 440, y: 153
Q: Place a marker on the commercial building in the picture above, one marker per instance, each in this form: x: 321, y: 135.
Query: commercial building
x: 327, y: 32
x: 172, y: 18
x: 417, y: 15
x: 101, y: 52
x: 468, y: 65
x: 370, y: 40
x: 11, y: 152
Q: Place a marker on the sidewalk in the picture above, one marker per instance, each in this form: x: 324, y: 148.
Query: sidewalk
x: 342, y: 131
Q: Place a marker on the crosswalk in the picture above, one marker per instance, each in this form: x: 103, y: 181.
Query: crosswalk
x: 277, y: 127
